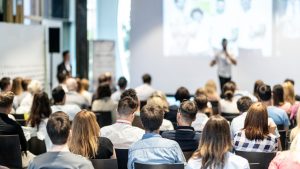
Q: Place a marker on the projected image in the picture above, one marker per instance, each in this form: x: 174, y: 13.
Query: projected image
x: 196, y: 27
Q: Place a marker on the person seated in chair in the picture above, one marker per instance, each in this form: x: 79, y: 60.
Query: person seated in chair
x: 58, y: 129
x: 185, y: 135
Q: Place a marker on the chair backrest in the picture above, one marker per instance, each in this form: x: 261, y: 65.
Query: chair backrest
x: 36, y: 146
x: 158, y: 166
x: 229, y: 116
x: 10, y: 151
x: 105, y: 163
x: 283, y: 139
x: 188, y: 154
x: 137, y: 122
x: 262, y: 159
x: 20, y: 119
x: 280, y: 127
x: 103, y: 118
x: 122, y: 157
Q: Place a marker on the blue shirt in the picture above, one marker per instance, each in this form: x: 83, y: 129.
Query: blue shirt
x: 153, y: 149
x: 279, y: 116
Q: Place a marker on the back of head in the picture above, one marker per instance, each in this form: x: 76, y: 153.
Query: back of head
x: 25, y: 83
x: 58, y: 128
x: 278, y: 95
x: 6, y: 99
x: 61, y: 77
x: 182, y: 94
x: 160, y: 94
x: 159, y: 102
x: 122, y: 82
x: 200, y: 91
x: 65, y: 53
x: 58, y: 94
x: 152, y: 117
x: 201, y: 101
x: 256, y: 122
x: 244, y: 103
x: 257, y: 84
x: 290, y: 80
x: 5, y: 83
x: 289, y: 92
x: 130, y: 93
x: 40, y: 109
x: 211, y: 86
x: 228, y: 90
x: 127, y: 106
x: 215, y: 142
x: 72, y: 84
x: 17, y: 86
x: 146, y: 78
x: 103, y: 91
x: 85, y: 133
x: 264, y: 92
x: 188, y: 110
x: 35, y: 86
x: 85, y: 84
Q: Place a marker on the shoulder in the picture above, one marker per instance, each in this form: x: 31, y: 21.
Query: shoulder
x: 194, y: 163
x: 232, y: 158
x: 105, y: 141
x: 168, y: 134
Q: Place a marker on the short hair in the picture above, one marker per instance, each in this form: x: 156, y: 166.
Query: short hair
x: 182, y: 94
x: 188, y: 110
x: 61, y: 77
x: 84, y: 84
x: 35, y: 86
x: 200, y: 91
x: 58, y: 128
x: 65, y: 53
x: 244, y: 103
x: 127, y: 106
x: 72, y: 84
x: 146, y: 78
x: 4, y: 83
x: 290, y: 80
x: 122, y: 82
x: 201, y: 101
x: 152, y: 117
x: 257, y: 84
x: 25, y: 83
x: 130, y: 93
x: 264, y: 92
x: 58, y: 94
x: 6, y: 99
x: 103, y: 91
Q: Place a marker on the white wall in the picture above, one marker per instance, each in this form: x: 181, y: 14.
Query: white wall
x: 192, y: 72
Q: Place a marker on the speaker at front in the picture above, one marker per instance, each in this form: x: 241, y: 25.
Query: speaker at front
x: 54, y: 40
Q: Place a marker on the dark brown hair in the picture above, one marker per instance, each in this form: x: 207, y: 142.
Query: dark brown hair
x: 257, y: 84
x: 127, y: 106
x: 228, y: 90
x: 188, y: 110
x: 6, y: 99
x: 278, y: 95
x: 201, y: 101
x: 17, y: 86
x: 215, y: 143
x: 256, y: 122
x: 152, y: 117
x: 58, y: 128
x: 244, y: 103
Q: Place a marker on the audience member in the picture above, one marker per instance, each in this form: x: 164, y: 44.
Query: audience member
x: 62, y: 80
x: 122, y: 83
x: 84, y: 90
x: 289, y: 96
x: 5, y: 84
x: 202, y: 110
x: 86, y: 140
x: 214, y: 148
x: 228, y: 104
x: 145, y: 90
x: 278, y: 115
x: 199, y: 91
x: 185, y: 135
x: 166, y: 124
x: 257, y: 84
x: 152, y: 148
x: 255, y: 136
x: 72, y: 96
x: 297, y: 97
x: 59, y: 98
x: 122, y: 134
x: 17, y: 90
x: 58, y: 129
x: 210, y: 89
x: 278, y: 98
x: 238, y: 93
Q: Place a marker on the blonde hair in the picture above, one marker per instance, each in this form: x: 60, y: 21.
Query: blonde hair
x: 84, y: 84
x: 289, y: 92
x: 85, y: 134
x: 210, y: 87
x: 200, y: 91
x: 17, y: 86
x: 159, y: 102
x: 35, y: 86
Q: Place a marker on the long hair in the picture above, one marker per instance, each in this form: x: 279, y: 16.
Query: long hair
x: 215, y: 143
x: 289, y: 92
x: 17, y: 86
x: 278, y: 95
x: 256, y: 122
x: 228, y: 91
x: 257, y: 84
x: 40, y: 109
x: 85, y: 134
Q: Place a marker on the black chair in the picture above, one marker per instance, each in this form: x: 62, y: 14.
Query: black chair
x: 103, y: 118
x: 280, y: 127
x: 10, y: 151
x: 283, y: 139
x: 36, y: 146
x: 254, y: 166
x: 122, y: 158
x: 137, y: 122
x: 260, y: 159
x: 188, y: 154
x: 229, y: 116
x: 158, y: 166
x: 20, y: 119
x: 105, y: 163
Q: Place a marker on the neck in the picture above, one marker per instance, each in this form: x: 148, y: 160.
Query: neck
x: 183, y: 123
x: 267, y: 103
x: 153, y: 132
x: 59, y: 103
x: 128, y: 118
x: 59, y: 148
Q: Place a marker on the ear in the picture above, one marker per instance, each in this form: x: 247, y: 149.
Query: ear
x: 178, y: 116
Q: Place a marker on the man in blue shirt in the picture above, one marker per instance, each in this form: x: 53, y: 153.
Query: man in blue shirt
x: 278, y: 115
x: 152, y: 148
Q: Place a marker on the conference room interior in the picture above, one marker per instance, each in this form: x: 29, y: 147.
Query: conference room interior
x: 149, y: 84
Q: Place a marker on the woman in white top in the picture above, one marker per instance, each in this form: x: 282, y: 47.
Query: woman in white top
x: 37, y: 121
x: 228, y: 104
x: 201, y: 117
x: 215, y: 146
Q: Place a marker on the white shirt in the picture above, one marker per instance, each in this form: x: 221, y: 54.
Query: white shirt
x: 144, y: 92
x: 122, y: 134
x: 224, y: 65
x: 232, y: 161
x: 228, y: 106
x: 240, y: 93
x: 70, y: 109
x: 88, y: 96
x: 116, y: 95
x: 200, y: 121
x: 166, y: 125
x: 27, y: 101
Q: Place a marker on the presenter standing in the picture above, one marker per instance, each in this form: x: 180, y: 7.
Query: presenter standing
x: 65, y: 67
x: 224, y: 60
